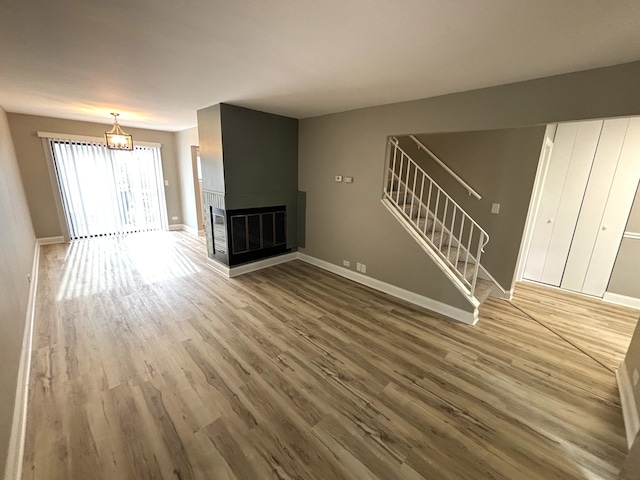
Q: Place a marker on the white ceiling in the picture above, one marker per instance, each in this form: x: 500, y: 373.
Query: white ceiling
x: 158, y: 61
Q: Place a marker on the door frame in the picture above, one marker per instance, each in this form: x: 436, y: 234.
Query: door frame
x: 534, y: 203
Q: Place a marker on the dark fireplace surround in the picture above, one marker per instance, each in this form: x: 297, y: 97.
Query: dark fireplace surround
x: 248, y: 234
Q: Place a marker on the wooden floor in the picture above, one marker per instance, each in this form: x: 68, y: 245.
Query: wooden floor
x: 149, y: 365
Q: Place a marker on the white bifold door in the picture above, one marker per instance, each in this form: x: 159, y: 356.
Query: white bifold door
x: 587, y: 195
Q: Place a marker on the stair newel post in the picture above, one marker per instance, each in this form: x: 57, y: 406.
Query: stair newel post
x: 399, y: 178
x: 413, y: 193
x: 435, y: 215
x: 426, y: 223
x: 466, y: 260
x: 460, y: 240
x: 453, y: 220
x: 406, y: 181
x: 420, y: 201
x: 393, y: 169
x: 475, y: 271
x: 444, y: 222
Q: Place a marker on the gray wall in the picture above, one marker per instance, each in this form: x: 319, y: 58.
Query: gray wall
x: 261, y: 162
x: 501, y: 166
x: 349, y: 222
x: 184, y: 141
x: 17, y: 245
x: 624, y: 277
x: 34, y: 171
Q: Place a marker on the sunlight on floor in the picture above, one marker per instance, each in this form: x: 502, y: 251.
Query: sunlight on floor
x: 96, y: 265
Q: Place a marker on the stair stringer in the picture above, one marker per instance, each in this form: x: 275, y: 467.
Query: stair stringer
x: 408, y: 226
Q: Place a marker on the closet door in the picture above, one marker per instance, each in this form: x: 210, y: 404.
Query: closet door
x: 573, y: 151
x: 598, y: 189
x: 616, y: 213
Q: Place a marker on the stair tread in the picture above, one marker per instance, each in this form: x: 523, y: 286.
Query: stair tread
x: 483, y: 290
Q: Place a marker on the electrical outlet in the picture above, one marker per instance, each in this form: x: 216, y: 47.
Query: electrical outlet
x: 174, y: 218
x: 635, y: 377
x: 358, y: 266
x: 363, y: 268
x: 338, y: 178
x: 346, y: 263
x: 348, y: 179
x: 166, y: 183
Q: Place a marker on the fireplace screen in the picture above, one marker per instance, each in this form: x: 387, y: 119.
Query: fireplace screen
x: 249, y: 234
x: 255, y: 231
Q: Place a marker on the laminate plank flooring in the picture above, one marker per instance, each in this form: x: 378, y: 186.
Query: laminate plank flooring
x: 149, y: 365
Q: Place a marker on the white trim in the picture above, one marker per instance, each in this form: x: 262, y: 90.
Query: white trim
x: 632, y: 235
x: 624, y: 300
x: 189, y: 229
x: 260, y: 264
x: 218, y: 267
x: 534, y: 202
x: 176, y: 226
x: 627, y: 400
x: 15, y: 454
x: 87, y: 138
x: 50, y: 240
x: 231, y: 272
x: 470, y: 318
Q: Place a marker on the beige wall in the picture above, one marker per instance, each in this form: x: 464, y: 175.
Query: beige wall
x: 624, y: 277
x: 184, y: 141
x: 349, y: 222
x: 501, y: 166
x: 34, y: 171
x: 17, y: 244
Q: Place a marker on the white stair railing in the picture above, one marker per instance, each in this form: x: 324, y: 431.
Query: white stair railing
x: 452, y: 234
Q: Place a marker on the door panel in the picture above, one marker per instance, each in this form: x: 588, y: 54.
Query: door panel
x: 594, y: 203
x: 550, y: 200
x: 574, y: 147
x: 616, y: 212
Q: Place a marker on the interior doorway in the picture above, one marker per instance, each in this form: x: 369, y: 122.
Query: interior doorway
x: 197, y: 187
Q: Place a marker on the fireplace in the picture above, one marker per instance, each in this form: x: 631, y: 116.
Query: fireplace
x: 249, y: 234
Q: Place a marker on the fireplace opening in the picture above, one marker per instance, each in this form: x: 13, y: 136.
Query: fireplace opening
x: 249, y: 234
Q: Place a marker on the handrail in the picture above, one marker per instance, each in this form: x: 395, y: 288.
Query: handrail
x: 448, y: 170
x: 406, y: 186
x: 397, y: 145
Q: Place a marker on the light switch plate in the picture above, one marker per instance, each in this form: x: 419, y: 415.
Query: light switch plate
x: 495, y: 208
x: 348, y: 179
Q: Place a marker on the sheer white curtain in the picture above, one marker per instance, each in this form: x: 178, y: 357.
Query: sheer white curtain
x: 106, y: 192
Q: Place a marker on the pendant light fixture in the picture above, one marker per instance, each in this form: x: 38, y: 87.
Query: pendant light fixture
x: 116, y: 139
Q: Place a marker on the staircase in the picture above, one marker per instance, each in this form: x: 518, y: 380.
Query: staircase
x: 441, y: 227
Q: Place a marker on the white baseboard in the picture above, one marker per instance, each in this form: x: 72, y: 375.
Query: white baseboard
x: 218, y: 267
x: 622, y: 300
x: 49, y: 240
x: 629, y: 410
x: 15, y: 454
x: 470, y: 318
x: 176, y: 226
x: 455, y: 313
x: 260, y: 264
x: 231, y: 272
